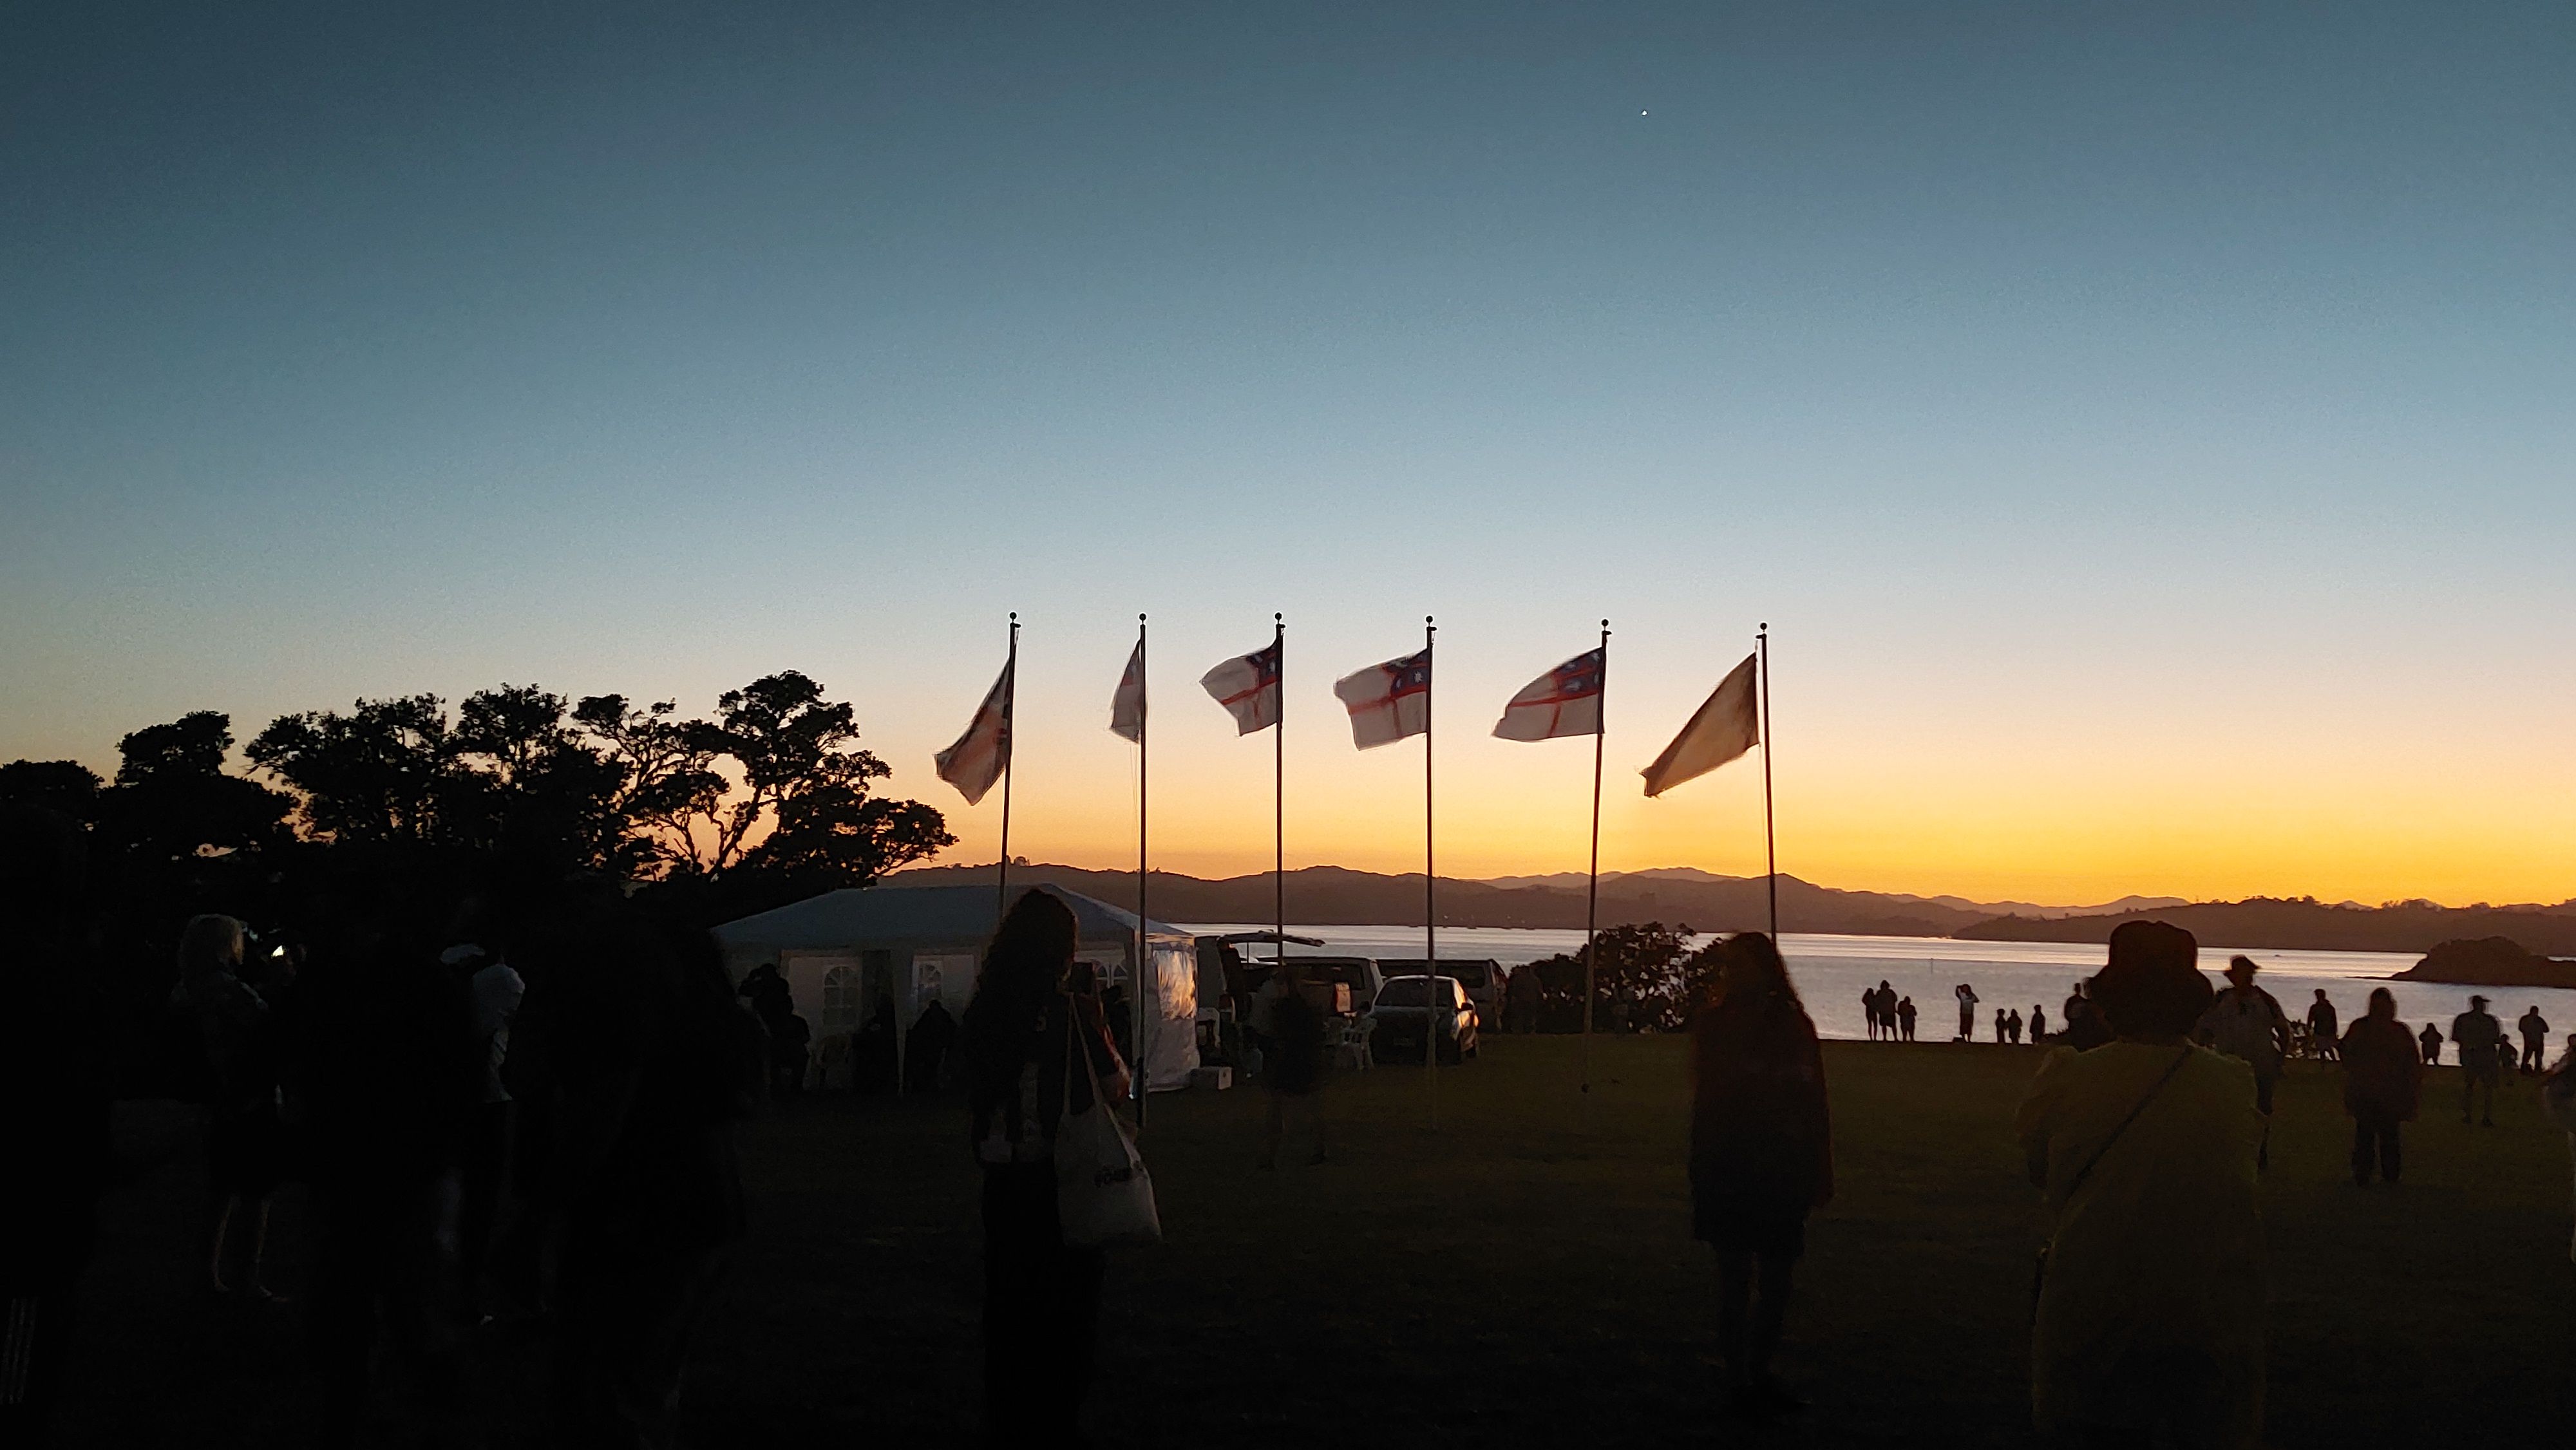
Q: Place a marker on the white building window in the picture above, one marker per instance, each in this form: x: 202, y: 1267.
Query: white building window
x: 840, y: 999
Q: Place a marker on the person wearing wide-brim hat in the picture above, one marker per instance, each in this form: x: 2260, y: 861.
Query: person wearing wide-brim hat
x: 2247, y: 1023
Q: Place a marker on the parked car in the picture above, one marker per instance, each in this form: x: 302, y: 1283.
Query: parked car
x: 1411, y: 1010
x: 1483, y: 977
x: 1360, y: 974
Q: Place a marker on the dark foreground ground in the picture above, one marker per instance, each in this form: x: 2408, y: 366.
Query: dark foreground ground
x: 1521, y: 1274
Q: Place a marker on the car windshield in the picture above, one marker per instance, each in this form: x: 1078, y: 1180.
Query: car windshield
x: 1407, y: 992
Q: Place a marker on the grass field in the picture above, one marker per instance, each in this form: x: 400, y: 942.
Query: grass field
x: 1520, y: 1274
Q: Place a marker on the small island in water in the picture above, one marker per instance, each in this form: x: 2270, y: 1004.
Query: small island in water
x: 2491, y: 961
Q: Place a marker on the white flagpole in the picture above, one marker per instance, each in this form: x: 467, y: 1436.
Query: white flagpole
x: 1770, y: 847
x: 1010, y: 696
x: 1592, y: 890
x: 1430, y: 889
x: 1144, y: 961
x: 1279, y: 802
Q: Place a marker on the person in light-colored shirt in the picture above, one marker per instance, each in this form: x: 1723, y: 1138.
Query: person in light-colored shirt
x: 2149, y: 1325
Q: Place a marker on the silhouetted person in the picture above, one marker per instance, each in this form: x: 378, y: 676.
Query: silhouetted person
x: 2038, y: 1023
x: 872, y: 1049
x: 2003, y: 1027
x: 1869, y: 1010
x: 791, y: 1041
x: 2479, y: 1039
x: 236, y: 1056
x: 2324, y: 1030
x: 2149, y: 1325
x: 925, y: 1048
x: 1905, y: 1018
x: 2558, y: 1102
x: 1292, y: 1071
x: 57, y: 1088
x: 1041, y: 1296
x: 2535, y: 1039
x: 1967, y: 996
x: 493, y: 990
x: 2383, y: 1077
x: 391, y: 1082
x: 2247, y: 1023
x: 651, y: 1065
x: 1521, y: 998
x: 790, y: 1036
x: 1761, y: 1156
x: 2430, y: 1039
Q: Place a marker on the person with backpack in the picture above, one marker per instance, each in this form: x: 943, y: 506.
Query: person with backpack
x: 1035, y: 1055
x: 2148, y: 1325
x: 2247, y: 1023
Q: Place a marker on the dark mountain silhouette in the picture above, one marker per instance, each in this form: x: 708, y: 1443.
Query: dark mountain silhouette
x: 2306, y: 924
x: 1335, y: 896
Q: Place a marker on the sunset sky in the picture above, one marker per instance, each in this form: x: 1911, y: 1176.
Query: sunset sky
x: 2147, y: 430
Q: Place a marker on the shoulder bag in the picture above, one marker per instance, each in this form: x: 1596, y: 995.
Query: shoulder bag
x: 1103, y: 1194
x: 2039, y: 1269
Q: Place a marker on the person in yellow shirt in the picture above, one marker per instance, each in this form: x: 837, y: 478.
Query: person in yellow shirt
x: 2149, y: 1323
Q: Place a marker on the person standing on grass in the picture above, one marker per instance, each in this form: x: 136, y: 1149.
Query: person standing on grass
x: 1761, y: 1158
x: 2149, y: 1322
x: 2535, y: 1039
x: 1967, y: 996
x: 1885, y: 1007
x: 2382, y: 1078
x: 2480, y: 1040
x: 2247, y: 1023
x: 1041, y: 1295
x: 234, y: 1041
x: 2002, y: 1027
x: 2558, y: 1100
x: 1905, y: 1018
x: 2038, y: 1023
x: 2325, y: 1028
x: 1292, y: 1071
x: 58, y: 1077
x: 2430, y: 1039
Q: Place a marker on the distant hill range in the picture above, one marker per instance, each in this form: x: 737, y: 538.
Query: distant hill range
x: 2306, y: 924
x: 1334, y: 896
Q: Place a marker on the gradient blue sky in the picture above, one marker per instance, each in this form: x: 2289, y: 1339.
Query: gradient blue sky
x: 2147, y: 428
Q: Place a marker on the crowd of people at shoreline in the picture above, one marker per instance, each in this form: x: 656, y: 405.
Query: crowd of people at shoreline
x: 514, y: 1113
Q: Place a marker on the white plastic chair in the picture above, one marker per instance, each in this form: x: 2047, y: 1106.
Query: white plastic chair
x: 1353, y: 1048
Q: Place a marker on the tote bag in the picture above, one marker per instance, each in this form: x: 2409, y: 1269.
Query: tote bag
x: 1103, y: 1194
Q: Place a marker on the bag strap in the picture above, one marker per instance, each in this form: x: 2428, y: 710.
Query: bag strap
x: 2100, y: 1153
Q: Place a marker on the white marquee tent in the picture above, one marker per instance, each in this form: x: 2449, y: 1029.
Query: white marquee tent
x: 844, y: 949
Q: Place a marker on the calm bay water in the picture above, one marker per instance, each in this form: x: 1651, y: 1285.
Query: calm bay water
x: 1832, y: 972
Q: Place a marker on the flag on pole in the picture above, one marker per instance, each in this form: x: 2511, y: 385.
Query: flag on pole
x: 1724, y: 728
x: 981, y: 754
x: 1127, y: 707
x: 1564, y: 701
x: 1388, y: 702
x: 1248, y: 687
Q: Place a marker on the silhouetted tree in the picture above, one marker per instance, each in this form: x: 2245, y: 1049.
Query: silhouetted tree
x: 1648, y: 959
x: 66, y: 786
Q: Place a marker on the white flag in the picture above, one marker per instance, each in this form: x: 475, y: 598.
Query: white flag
x: 1388, y: 702
x: 1725, y: 727
x: 1127, y: 707
x: 981, y: 754
x: 1564, y: 701
x: 1248, y: 687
